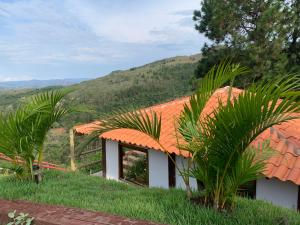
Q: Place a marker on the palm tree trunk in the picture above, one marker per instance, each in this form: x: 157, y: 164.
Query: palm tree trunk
x: 216, y: 201
x: 189, y: 192
x: 31, y: 169
x: 216, y: 204
x: 40, y: 155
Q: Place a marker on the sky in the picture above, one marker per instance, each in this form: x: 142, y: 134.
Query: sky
x: 47, y: 39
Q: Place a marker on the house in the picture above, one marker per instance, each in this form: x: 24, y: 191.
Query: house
x: 279, y: 185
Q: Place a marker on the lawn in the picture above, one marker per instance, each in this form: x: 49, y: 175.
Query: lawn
x: 165, y: 206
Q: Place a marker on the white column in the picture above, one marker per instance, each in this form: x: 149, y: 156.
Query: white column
x: 112, y: 160
x: 158, y: 169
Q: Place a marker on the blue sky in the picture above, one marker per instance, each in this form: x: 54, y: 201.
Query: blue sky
x: 45, y: 39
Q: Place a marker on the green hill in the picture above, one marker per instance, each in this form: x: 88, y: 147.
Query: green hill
x: 137, y: 87
x: 141, y: 86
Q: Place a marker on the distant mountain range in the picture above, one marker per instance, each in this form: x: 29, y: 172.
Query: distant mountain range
x: 39, y: 83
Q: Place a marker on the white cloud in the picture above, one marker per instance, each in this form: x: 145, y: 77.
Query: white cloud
x: 85, y: 32
x: 135, y: 25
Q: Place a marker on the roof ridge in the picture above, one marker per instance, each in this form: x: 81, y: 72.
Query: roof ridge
x: 167, y: 103
x: 219, y: 90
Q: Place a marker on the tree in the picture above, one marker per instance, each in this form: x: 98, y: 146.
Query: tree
x: 220, y: 143
x: 293, y: 48
x: 23, y: 132
x: 262, y: 35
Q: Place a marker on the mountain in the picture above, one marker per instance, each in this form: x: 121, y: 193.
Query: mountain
x: 142, y: 86
x: 39, y: 83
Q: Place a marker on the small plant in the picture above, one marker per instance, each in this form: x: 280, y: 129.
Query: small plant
x: 19, y: 219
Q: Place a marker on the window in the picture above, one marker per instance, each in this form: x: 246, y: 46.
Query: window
x: 133, y: 164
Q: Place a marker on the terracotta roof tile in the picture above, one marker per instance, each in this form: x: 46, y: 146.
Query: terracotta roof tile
x: 285, y: 163
x: 86, y: 128
x: 284, y: 138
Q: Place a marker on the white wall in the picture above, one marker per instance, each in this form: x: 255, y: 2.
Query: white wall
x: 112, y: 160
x: 278, y: 192
x: 158, y: 169
x: 181, y: 162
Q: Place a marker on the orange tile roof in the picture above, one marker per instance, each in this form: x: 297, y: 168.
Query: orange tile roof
x: 284, y: 138
x: 169, y: 111
x: 86, y: 128
x: 284, y: 164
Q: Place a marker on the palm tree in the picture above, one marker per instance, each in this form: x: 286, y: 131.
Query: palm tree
x: 23, y: 132
x: 219, y: 143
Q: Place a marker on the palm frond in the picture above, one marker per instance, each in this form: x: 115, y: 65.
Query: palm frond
x: 23, y: 132
x: 234, y: 126
x: 216, y: 78
x: 148, y: 122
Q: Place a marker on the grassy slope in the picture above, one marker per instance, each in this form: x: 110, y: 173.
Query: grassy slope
x: 159, y: 205
x: 11, y: 98
x: 142, y: 86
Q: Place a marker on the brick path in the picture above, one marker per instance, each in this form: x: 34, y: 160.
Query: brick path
x: 58, y: 215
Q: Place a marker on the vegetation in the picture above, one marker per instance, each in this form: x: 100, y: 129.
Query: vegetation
x: 137, y: 87
x: 263, y: 35
x: 57, y: 147
x: 219, y: 142
x: 169, y: 76
x: 24, y: 131
x: 165, y: 206
x: 138, y: 171
x: 20, y: 219
x: 5, y: 168
x: 10, y: 99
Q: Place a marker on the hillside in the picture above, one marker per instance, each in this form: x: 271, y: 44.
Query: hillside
x: 11, y: 98
x: 141, y: 86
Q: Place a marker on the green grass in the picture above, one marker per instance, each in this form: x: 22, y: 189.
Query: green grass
x: 169, y: 207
